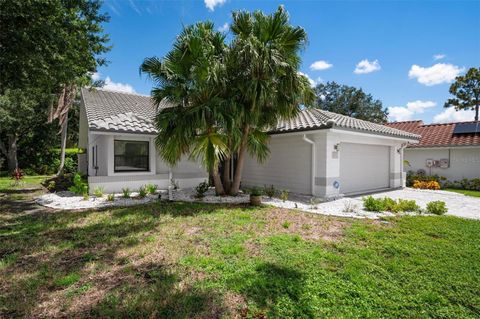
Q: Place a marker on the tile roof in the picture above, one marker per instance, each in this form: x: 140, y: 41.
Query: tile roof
x: 437, y: 135
x: 312, y: 119
x: 133, y: 113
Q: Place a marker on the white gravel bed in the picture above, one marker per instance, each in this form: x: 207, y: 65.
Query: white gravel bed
x: 70, y: 201
x: 457, y: 204
x: 188, y: 195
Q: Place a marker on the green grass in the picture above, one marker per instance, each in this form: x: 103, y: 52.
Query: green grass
x: 464, y: 192
x: 7, y: 183
x: 178, y: 260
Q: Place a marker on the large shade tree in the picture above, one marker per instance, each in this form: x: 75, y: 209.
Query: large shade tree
x: 224, y: 97
x: 466, y: 90
x: 350, y: 101
x: 50, y: 47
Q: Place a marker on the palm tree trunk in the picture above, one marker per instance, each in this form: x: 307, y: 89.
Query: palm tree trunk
x: 63, y: 142
x: 227, y: 182
x: 217, y: 181
x: 237, y: 178
x: 476, y: 112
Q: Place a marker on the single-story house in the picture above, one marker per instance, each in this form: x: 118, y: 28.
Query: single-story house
x: 451, y: 150
x: 317, y: 153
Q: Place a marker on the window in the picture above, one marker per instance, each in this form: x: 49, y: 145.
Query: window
x: 131, y: 156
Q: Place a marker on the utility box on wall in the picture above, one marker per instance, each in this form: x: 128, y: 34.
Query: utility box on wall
x: 443, y: 163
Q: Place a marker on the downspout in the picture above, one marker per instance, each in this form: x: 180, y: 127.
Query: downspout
x: 306, y: 139
x: 402, y: 164
x: 170, y: 178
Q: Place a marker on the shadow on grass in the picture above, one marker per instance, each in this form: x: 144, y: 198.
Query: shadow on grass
x: 39, y: 248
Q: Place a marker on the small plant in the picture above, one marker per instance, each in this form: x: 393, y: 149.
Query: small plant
x: 373, y: 205
x: 255, y: 191
x: 98, y: 191
x: 126, y: 192
x: 85, y: 196
x: 111, y: 197
x: 349, y: 207
x: 286, y: 224
x: 426, y: 185
x: 284, y: 195
x: 314, y: 201
x: 201, y: 189
x: 17, y: 176
x: 405, y: 205
x: 142, y: 192
x: 437, y: 207
x: 270, y: 191
x: 79, y: 186
x: 151, y: 188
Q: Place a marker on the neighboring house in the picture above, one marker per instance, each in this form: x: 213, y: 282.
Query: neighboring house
x: 451, y: 150
x: 318, y: 153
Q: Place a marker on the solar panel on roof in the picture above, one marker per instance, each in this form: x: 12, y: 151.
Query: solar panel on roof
x: 467, y: 128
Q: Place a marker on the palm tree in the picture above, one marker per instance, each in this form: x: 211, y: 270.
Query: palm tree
x: 264, y: 83
x: 189, y: 84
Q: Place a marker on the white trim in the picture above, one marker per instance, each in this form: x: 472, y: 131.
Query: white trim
x: 382, y: 136
x: 312, y: 172
x: 121, y: 133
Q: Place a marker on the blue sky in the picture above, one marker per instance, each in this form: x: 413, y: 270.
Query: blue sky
x: 404, y: 53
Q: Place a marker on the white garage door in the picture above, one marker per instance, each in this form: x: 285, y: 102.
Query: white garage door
x: 363, y: 167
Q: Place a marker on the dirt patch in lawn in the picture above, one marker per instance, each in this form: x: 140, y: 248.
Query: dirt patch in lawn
x: 308, y: 226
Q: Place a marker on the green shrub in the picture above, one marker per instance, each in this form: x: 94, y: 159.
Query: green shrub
x: 151, y: 188
x: 255, y: 191
x: 284, y: 195
x: 373, y: 205
x: 98, y: 191
x: 270, y: 191
x: 79, y: 186
x: 126, y: 192
x: 111, y: 197
x: 201, y: 189
x: 388, y: 204
x: 437, y: 208
x: 406, y: 205
x: 142, y: 192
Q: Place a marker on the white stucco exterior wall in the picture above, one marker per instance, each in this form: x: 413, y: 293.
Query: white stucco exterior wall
x: 290, y: 163
x: 186, y: 173
x: 464, y: 161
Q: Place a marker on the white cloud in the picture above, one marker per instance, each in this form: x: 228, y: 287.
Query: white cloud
x: 95, y: 76
x: 320, y: 65
x: 116, y: 86
x: 224, y: 27
x: 439, y: 56
x: 436, y: 74
x: 211, y: 4
x: 405, y: 113
x: 365, y: 66
x: 451, y: 115
x: 312, y: 81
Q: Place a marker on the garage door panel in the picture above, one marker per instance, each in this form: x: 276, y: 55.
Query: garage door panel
x: 363, y: 167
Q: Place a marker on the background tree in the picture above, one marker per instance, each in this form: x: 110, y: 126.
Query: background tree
x: 350, y: 101
x: 51, y: 46
x: 466, y: 90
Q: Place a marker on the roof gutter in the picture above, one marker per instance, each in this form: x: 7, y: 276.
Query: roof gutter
x: 309, y: 141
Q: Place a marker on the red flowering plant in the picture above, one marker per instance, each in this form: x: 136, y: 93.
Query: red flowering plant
x: 17, y: 176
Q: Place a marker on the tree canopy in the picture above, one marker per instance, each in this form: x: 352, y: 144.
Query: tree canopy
x: 466, y: 90
x: 45, y: 47
x: 225, y: 95
x: 350, y: 101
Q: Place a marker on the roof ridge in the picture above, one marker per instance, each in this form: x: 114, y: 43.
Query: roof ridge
x: 116, y: 92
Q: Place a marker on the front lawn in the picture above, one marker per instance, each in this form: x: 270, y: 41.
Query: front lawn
x: 198, y: 261
x: 7, y: 183
x: 464, y: 192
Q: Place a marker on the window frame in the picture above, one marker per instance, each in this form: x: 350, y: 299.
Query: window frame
x: 115, y: 170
